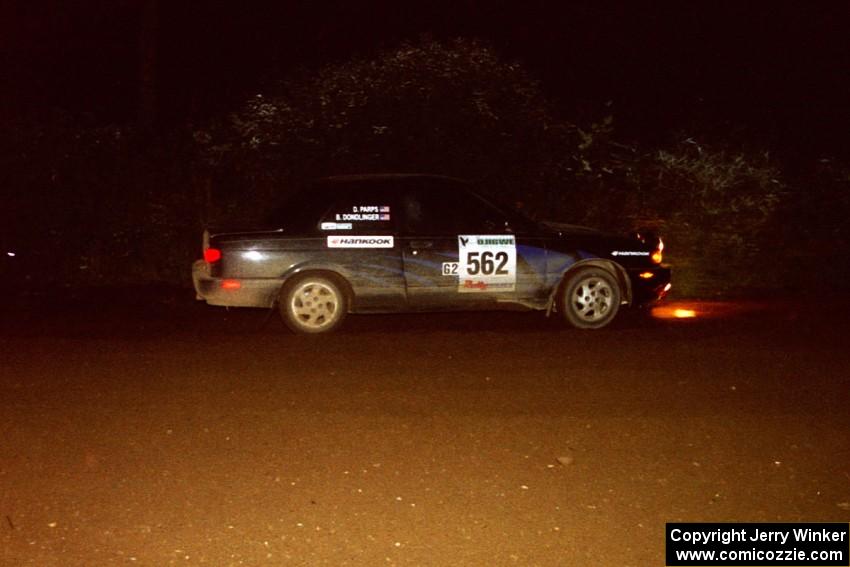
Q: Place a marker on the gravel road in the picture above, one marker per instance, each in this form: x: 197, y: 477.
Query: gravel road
x: 187, y: 435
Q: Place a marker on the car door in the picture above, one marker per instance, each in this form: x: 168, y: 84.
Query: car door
x: 458, y: 251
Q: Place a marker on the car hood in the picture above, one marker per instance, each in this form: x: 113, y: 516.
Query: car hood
x: 603, y: 244
x: 565, y: 229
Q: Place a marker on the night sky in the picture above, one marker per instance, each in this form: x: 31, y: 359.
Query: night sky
x: 772, y: 74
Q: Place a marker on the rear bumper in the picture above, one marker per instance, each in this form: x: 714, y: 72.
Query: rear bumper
x: 233, y: 292
x: 647, y: 290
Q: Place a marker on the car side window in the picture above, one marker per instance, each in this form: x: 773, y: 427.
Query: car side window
x: 359, y: 211
x: 438, y: 211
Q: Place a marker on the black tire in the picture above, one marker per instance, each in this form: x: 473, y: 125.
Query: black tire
x: 590, y: 298
x: 312, y: 304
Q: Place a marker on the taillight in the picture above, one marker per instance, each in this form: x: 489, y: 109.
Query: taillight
x: 656, y: 254
x: 212, y: 255
x: 231, y: 285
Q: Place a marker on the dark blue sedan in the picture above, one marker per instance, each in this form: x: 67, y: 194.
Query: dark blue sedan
x: 400, y: 243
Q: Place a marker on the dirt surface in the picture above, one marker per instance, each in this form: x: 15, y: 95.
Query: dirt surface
x: 177, y: 434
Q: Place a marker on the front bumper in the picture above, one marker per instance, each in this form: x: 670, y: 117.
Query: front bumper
x: 647, y: 290
x: 233, y: 292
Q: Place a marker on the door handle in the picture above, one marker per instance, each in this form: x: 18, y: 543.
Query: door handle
x: 421, y: 244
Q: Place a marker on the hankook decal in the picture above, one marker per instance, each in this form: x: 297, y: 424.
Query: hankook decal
x: 360, y: 242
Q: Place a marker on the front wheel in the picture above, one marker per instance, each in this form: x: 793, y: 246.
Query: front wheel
x: 590, y: 299
x: 312, y: 304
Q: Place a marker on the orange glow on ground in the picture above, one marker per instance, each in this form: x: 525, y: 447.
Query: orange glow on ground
x: 676, y: 310
x: 704, y: 309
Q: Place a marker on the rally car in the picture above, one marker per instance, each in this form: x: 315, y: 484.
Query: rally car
x: 401, y: 243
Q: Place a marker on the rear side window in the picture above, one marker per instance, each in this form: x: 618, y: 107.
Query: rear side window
x: 359, y: 211
x: 337, y: 208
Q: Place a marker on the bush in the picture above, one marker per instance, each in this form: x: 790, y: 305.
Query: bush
x: 718, y: 207
x: 714, y: 207
x: 455, y: 108
x: 102, y: 204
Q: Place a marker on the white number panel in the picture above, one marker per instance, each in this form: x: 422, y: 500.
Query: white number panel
x: 487, y: 263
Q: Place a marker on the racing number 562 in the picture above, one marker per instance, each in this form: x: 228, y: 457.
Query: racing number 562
x: 485, y: 263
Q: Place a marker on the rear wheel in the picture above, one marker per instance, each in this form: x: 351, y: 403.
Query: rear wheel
x: 590, y: 299
x: 312, y: 304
